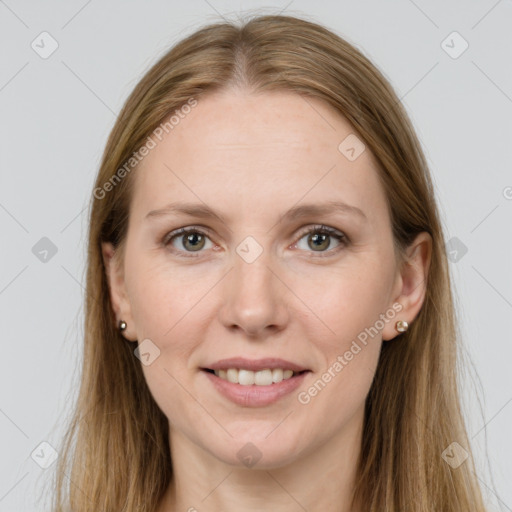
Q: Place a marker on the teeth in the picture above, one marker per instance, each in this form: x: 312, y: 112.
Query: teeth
x: 261, y: 378
x: 248, y: 377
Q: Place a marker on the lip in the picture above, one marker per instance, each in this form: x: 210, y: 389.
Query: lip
x: 255, y: 365
x: 253, y: 395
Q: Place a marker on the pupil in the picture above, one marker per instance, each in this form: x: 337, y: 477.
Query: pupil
x: 317, y: 237
x: 193, y: 239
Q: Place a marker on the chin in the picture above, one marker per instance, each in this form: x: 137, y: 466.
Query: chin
x: 257, y: 453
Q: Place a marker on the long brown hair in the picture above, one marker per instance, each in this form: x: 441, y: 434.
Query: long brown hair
x: 115, y: 455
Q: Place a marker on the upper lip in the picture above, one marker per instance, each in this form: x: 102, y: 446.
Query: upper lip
x: 255, y: 364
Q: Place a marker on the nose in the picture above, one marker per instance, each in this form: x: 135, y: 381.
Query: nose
x: 254, y: 298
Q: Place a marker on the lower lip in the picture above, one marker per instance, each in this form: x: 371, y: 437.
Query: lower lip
x: 255, y: 396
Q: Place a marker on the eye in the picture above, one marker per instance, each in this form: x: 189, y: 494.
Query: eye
x: 319, y: 239
x: 190, y: 239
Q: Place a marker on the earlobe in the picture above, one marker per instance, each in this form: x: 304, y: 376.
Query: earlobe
x: 117, y: 290
x: 413, y: 280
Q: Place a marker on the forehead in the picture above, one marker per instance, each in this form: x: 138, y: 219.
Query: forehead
x: 258, y: 151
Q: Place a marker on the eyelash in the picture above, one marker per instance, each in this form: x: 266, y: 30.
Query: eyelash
x: 321, y: 229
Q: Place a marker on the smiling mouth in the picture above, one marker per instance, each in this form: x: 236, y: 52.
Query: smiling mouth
x: 266, y: 377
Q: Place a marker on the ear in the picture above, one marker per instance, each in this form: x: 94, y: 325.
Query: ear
x: 411, y: 283
x: 118, y: 296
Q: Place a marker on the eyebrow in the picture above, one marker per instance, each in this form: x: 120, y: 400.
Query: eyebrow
x: 308, y: 210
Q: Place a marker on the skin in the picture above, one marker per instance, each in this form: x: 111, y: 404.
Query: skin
x: 251, y: 158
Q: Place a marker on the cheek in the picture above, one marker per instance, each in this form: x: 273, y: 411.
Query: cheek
x: 166, y: 385
x: 161, y: 294
x: 347, y: 332
x: 162, y: 305
x: 350, y: 349
x: 345, y: 300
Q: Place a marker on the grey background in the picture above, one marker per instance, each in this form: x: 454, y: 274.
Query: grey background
x: 57, y: 112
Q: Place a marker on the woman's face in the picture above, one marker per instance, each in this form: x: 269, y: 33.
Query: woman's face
x: 255, y: 281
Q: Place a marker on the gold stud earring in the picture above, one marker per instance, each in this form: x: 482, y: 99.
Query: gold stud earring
x: 401, y: 326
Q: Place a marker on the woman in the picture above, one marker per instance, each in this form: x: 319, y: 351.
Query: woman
x: 269, y: 319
